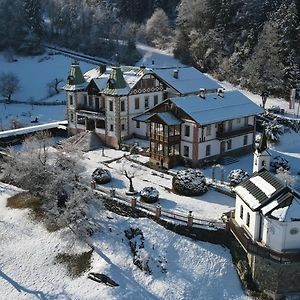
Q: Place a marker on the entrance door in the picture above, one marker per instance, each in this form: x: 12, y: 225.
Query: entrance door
x: 90, y: 124
x: 223, y: 144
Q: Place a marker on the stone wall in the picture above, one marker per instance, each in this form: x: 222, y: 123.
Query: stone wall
x: 274, y: 278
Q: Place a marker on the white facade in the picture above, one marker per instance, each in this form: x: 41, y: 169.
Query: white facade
x: 247, y: 219
x: 261, y: 160
x: 280, y: 236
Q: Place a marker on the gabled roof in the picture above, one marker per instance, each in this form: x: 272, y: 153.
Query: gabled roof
x: 189, y: 81
x: 125, y: 78
x: 265, y: 193
x: 167, y: 117
x: 216, y: 108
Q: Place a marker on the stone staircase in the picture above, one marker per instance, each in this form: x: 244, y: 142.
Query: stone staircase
x: 228, y: 160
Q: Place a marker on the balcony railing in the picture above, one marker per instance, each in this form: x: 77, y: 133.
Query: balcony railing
x: 91, y: 113
x: 257, y: 249
x: 228, y: 134
x: 85, y: 108
x: 164, y: 138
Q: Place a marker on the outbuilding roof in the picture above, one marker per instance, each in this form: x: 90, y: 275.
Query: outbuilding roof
x: 217, y: 108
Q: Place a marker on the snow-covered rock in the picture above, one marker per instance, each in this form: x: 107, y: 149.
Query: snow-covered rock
x: 149, y: 194
x: 236, y: 176
x: 190, y: 182
x: 101, y: 176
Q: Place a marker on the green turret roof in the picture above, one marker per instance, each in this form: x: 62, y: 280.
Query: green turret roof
x: 75, y: 76
x: 75, y: 80
x: 117, y: 79
x: 263, y: 144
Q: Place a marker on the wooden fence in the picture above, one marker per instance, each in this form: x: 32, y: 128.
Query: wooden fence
x: 157, y: 211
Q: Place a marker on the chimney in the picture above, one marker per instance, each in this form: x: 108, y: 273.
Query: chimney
x: 143, y: 67
x: 176, y: 73
x: 202, y: 93
x: 221, y: 93
x: 102, y: 69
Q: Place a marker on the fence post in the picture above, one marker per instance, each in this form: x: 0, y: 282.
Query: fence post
x: 158, y: 212
x: 222, y: 175
x: 133, y: 202
x: 112, y: 192
x: 93, y: 184
x: 190, y: 219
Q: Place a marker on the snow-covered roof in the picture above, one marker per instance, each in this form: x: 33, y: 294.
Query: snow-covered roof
x: 189, y: 81
x: 259, y: 189
x: 131, y: 76
x: 215, y: 108
x: 265, y: 193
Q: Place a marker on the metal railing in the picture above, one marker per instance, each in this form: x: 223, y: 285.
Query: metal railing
x: 232, y: 133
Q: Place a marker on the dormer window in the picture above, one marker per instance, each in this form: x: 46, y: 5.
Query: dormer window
x: 111, y: 83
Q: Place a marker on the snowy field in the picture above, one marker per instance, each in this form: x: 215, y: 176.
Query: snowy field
x: 36, y: 72
x: 24, y: 114
x: 195, y: 270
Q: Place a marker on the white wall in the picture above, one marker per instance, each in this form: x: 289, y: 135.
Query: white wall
x: 132, y: 112
x: 277, y: 235
x: 254, y: 225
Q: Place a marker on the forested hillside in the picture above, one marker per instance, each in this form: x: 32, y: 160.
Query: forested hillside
x: 253, y: 43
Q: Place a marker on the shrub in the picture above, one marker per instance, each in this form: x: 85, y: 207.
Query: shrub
x: 236, y: 176
x: 149, y: 194
x: 190, y: 182
x: 280, y: 163
x: 101, y: 176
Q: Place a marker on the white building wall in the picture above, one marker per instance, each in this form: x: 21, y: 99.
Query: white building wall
x: 236, y: 143
x: 281, y: 236
x: 188, y: 144
x: 254, y: 224
x: 132, y: 112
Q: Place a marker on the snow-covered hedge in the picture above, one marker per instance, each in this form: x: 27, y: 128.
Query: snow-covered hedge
x: 279, y: 162
x: 190, y: 182
x: 236, y: 176
x: 101, y: 176
x: 149, y: 194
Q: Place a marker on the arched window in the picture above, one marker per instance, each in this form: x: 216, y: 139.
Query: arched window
x: 241, y: 212
x: 248, y: 220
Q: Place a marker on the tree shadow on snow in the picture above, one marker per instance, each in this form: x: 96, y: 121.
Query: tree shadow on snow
x: 134, y: 289
x: 38, y: 294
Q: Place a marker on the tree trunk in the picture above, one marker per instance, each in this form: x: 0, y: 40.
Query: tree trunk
x: 131, y: 189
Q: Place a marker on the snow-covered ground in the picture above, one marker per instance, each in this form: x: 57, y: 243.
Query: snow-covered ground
x: 36, y: 72
x: 211, y: 205
x: 24, y: 114
x: 195, y: 270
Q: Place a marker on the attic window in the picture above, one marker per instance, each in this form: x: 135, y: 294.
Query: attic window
x: 111, y: 83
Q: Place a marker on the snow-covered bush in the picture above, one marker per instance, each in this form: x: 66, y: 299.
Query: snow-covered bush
x: 285, y: 176
x: 190, y: 182
x: 101, y: 176
x: 279, y: 162
x: 236, y: 176
x: 273, y: 131
x: 149, y: 194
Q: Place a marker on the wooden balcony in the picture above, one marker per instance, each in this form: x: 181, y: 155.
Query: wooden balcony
x: 175, y: 139
x: 91, y: 113
x: 222, y: 135
x: 258, y: 249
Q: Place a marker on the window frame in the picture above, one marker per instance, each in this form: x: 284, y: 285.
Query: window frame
x: 187, y: 130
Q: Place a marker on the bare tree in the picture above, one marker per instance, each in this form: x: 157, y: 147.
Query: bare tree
x: 53, y: 86
x: 130, y: 171
x: 9, y: 84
